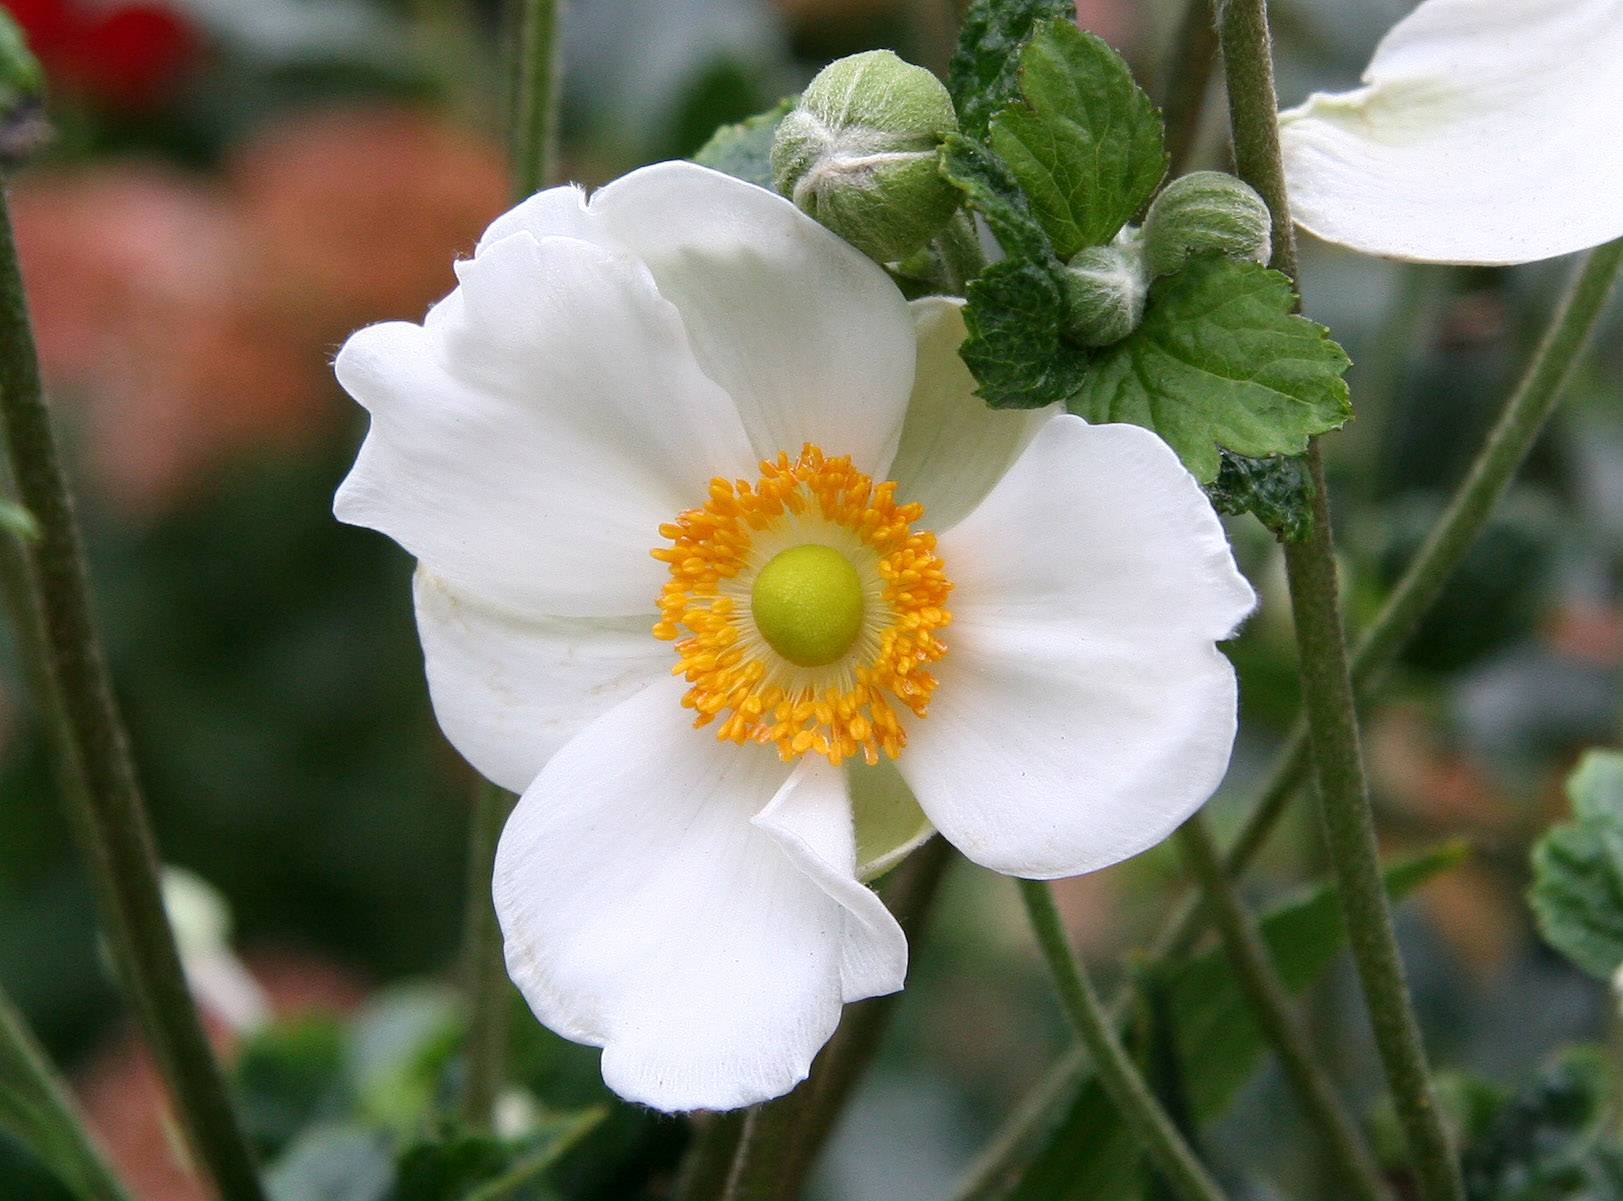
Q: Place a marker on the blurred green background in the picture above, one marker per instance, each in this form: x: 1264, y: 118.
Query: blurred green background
x: 233, y: 185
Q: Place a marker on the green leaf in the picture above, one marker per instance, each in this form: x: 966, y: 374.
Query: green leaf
x: 1090, y: 1156
x: 744, y: 151
x: 1015, y: 346
x: 1084, y: 142
x: 992, y: 191
x: 981, y: 75
x: 333, y: 1163
x: 17, y: 521
x: 1279, y: 491
x: 1577, y: 892
x: 1221, y: 361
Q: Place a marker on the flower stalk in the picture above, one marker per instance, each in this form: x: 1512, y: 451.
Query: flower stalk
x: 1327, y: 687
x: 108, y: 813
x: 1183, y: 1172
x: 534, y: 51
x: 1271, y: 1003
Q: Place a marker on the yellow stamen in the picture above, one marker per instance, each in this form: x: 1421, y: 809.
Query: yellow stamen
x: 837, y: 707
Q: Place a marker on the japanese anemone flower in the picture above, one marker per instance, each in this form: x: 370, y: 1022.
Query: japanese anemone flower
x: 688, y: 365
x: 1485, y: 132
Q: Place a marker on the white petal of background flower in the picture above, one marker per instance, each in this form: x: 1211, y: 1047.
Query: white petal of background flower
x: 528, y: 442
x: 954, y: 447
x: 1486, y: 132
x: 509, y: 690
x: 809, y: 337
x: 1084, y: 710
x: 645, y: 913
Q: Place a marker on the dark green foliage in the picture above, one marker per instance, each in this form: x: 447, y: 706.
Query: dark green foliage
x: 1278, y: 490
x: 290, y: 1076
x: 1083, y: 140
x: 981, y: 75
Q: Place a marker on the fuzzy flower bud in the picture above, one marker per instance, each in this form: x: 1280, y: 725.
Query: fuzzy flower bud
x: 1205, y: 211
x: 1104, y: 290
x: 858, y: 153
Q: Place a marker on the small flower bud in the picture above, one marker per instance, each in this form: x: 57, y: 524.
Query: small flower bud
x: 859, y: 154
x: 1104, y: 291
x: 1205, y: 211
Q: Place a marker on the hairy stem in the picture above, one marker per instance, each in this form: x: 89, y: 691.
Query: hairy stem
x: 1327, y: 688
x: 37, y: 1106
x: 1188, y: 75
x: 485, y: 979
x: 764, y: 1148
x: 1156, y: 1133
x: 1523, y: 417
x: 107, y: 811
x: 1270, y: 1002
x: 536, y: 75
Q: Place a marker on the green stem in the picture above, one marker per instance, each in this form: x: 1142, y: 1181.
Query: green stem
x: 486, y: 983
x: 709, y: 1159
x: 1270, y: 1001
x: 1327, y: 688
x: 37, y: 1107
x: 533, y: 51
x: 536, y: 47
x: 1519, y: 424
x: 110, y: 817
x: 909, y: 892
x: 1138, y: 1107
x: 764, y: 1148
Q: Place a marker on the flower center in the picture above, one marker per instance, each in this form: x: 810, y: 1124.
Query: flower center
x: 807, y: 604
x: 804, y: 609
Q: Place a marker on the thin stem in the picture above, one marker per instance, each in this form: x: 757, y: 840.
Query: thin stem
x: 1518, y: 427
x: 533, y: 51
x: 536, y: 49
x: 37, y: 1106
x: 709, y: 1159
x: 909, y: 892
x: 1138, y: 1107
x: 764, y: 1148
x: 1327, y: 688
x: 486, y: 983
x: 1270, y: 1001
x: 110, y: 818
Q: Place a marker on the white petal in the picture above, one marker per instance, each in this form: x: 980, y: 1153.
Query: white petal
x: 954, y: 446
x: 1486, y: 132
x: 809, y: 337
x: 509, y: 690
x: 811, y: 820
x: 1083, y: 709
x: 527, y: 443
x: 646, y: 913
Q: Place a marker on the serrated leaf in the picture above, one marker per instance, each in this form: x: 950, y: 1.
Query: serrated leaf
x: 981, y: 75
x: 1091, y: 1156
x: 744, y: 150
x: 1277, y: 491
x: 1084, y: 141
x: 1015, y: 348
x: 992, y: 191
x: 1577, y: 892
x: 1221, y: 360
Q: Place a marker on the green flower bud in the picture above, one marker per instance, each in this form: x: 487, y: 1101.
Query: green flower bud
x: 1205, y: 211
x: 1104, y: 291
x: 859, y: 154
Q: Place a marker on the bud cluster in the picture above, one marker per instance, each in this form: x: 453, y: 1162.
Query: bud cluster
x: 1196, y: 214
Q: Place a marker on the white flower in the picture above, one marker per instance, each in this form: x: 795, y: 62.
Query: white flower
x: 1486, y: 132
x: 688, y: 364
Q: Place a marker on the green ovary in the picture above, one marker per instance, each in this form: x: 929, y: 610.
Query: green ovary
x: 807, y: 604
